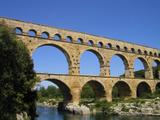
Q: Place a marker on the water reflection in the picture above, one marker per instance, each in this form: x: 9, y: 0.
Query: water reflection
x: 46, y: 113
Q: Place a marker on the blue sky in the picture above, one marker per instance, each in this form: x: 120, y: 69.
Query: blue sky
x: 136, y: 21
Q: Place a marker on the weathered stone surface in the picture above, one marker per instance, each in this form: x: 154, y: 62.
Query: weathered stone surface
x: 77, y: 109
x: 73, y: 82
x: 147, y: 108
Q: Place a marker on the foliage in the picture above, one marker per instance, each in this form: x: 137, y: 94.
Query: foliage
x: 51, y: 92
x: 104, y: 106
x: 17, y: 77
x: 87, y: 92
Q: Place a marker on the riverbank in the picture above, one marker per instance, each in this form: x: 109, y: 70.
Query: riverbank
x: 133, y: 107
x: 149, y: 107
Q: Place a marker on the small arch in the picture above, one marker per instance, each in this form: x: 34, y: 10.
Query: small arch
x: 100, y: 44
x: 117, y: 47
x: 155, y: 54
x: 45, y: 35
x: 125, y: 49
x: 32, y: 33
x: 150, y: 53
x: 132, y: 50
x: 80, y: 40
x: 57, y: 37
x: 18, y: 31
x: 109, y: 45
x: 90, y: 43
x: 97, y: 88
x: 143, y: 89
x: 139, y: 51
x: 69, y: 39
x: 121, y: 90
x: 145, y: 52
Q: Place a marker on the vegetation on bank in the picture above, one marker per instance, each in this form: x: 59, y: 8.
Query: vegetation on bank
x: 17, y: 77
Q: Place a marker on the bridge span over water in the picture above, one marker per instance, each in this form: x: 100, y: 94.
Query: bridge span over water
x: 73, y: 44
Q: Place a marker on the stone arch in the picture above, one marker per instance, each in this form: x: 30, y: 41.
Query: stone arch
x: 125, y: 62
x: 32, y: 33
x: 62, y: 49
x: 90, y: 43
x: 109, y: 45
x: 156, y: 69
x: 100, y: 44
x: 155, y: 54
x: 69, y: 39
x: 145, y: 65
x: 98, y: 55
x: 45, y: 35
x: 145, y: 52
x: 80, y: 40
x: 139, y: 51
x: 65, y: 89
x: 142, y: 89
x: 121, y: 89
x: 132, y: 50
x: 158, y: 87
x: 118, y: 47
x: 97, y: 87
x: 18, y: 30
x: 150, y: 53
x: 57, y: 37
x: 125, y: 49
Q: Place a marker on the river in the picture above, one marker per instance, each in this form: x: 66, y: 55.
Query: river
x: 46, y: 113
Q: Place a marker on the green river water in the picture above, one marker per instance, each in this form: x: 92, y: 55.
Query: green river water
x: 46, y: 113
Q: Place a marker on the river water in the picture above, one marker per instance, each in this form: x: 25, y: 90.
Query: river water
x: 46, y: 113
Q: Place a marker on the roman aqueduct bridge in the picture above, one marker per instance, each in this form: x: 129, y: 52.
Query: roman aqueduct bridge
x: 73, y: 44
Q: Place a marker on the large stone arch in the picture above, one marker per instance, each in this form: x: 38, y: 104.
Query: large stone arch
x: 62, y: 49
x: 64, y: 87
x: 121, y: 89
x: 146, y: 66
x: 125, y: 62
x: 156, y: 71
x: 98, y: 88
x: 158, y: 87
x: 143, y: 88
x: 99, y: 57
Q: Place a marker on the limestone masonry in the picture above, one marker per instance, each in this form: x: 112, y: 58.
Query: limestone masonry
x: 72, y: 83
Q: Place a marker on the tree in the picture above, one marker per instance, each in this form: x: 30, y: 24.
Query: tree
x: 17, y: 77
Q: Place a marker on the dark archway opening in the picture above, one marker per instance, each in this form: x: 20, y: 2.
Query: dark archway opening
x: 53, y: 92
x: 92, y: 91
x: 121, y: 90
x: 158, y: 88
x: 156, y: 69
x: 143, y: 90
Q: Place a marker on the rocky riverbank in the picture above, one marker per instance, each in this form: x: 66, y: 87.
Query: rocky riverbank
x: 131, y: 107
x: 137, y: 107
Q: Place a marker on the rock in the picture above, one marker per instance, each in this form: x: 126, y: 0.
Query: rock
x: 22, y: 116
x: 77, y: 109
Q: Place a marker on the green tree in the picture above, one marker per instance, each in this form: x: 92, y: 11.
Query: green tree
x: 87, y: 92
x: 17, y: 77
